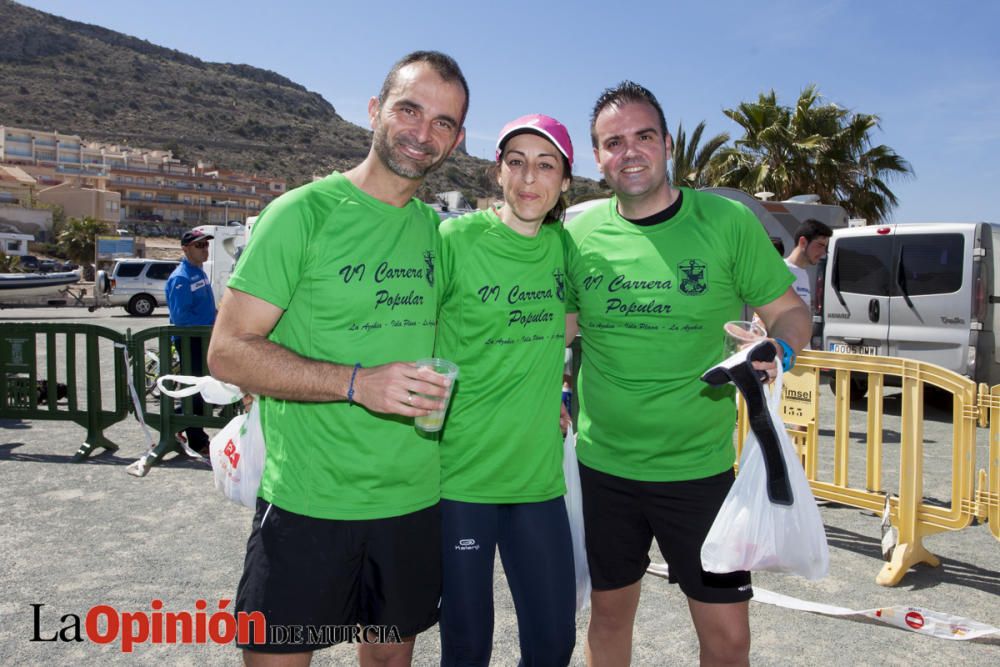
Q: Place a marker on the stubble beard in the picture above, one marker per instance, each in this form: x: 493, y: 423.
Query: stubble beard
x: 626, y: 190
x: 397, y: 164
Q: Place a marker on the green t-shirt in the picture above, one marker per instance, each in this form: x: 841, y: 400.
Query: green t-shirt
x: 503, y: 321
x: 652, y: 302
x: 355, y: 277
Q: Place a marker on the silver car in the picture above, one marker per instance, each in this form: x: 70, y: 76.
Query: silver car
x: 139, y: 285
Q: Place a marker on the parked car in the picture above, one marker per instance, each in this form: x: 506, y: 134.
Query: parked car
x: 28, y: 263
x: 923, y: 291
x: 139, y: 285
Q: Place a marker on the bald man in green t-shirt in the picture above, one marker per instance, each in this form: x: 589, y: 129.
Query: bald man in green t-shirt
x: 333, y: 300
x: 653, y: 274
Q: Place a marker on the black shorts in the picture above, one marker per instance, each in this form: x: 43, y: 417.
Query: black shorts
x: 622, y: 516
x: 326, y: 576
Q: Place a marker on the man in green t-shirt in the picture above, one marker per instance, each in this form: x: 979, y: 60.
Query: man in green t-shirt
x: 335, y: 288
x: 654, y: 273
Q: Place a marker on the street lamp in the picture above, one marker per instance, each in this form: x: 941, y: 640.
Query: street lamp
x: 227, y: 204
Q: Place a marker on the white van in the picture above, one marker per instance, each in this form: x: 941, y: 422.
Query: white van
x: 920, y: 291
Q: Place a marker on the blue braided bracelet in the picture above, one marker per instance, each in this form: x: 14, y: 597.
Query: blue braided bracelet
x: 350, y: 387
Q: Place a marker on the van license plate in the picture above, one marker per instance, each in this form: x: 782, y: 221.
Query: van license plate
x: 854, y: 349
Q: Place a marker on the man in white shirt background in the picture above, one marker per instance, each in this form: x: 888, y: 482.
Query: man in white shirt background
x: 811, y: 241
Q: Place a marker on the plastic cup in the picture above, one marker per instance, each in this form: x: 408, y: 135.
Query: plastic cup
x: 740, y: 334
x: 433, y: 422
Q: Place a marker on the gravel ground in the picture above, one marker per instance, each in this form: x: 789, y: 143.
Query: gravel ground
x: 73, y: 536
x: 79, y: 535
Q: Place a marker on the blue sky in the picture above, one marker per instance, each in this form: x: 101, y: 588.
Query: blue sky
x: 930, y: 70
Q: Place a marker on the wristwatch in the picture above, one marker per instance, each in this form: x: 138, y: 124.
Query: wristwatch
x: 787, y: 355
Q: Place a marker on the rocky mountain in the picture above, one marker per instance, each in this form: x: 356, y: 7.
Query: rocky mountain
x: 103, y: 85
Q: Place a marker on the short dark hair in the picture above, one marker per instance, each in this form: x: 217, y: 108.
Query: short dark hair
x: 558, y: 211
x: 624, y: 93
x: 443, y: 64
x: 812, y: 229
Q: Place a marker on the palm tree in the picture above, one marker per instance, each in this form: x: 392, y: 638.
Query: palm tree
x: 865, y: 170
x: 691, y: 163
x: 78, y: 239
x: 814, y: 148
x: 775, y: 149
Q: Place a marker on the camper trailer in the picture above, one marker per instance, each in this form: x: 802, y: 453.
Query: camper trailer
x: 15, y: 244
x: 224, y: 249
x: 780, y: 219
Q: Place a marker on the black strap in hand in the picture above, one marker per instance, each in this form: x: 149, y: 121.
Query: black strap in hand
x: 748, y: 381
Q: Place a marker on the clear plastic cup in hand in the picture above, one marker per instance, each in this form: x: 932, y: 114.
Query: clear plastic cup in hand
x: 433, y: 422
x: 740, y: 334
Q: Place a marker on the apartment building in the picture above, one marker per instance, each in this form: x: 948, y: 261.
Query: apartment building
x: 17, y: 187
x: 152, y: 185
x: 169, y: 191
x: 81, y: 202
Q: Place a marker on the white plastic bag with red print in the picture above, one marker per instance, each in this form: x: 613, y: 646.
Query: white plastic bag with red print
x: 237, y: 455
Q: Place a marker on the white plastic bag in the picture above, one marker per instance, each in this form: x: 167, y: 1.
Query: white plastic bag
x: 752, y: 533
x: 212, y: 390
x: 574, y: 508
x: 237, y: 455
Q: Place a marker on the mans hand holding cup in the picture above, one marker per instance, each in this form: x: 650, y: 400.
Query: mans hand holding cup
x: 410, y: 389
x: 741, y: 334
x: 434, y: 420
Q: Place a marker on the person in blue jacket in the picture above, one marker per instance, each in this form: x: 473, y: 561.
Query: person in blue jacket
x: 191, y: 303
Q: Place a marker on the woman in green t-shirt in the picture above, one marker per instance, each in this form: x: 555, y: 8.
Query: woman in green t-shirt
x: 502, y: 320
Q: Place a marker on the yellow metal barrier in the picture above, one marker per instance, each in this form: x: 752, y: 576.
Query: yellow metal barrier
x: 913, y: 517
x: 989, y: 488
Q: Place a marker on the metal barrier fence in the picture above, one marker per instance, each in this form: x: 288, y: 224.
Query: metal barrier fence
x: 913, y: 515
x: 174, y: 351
x: 35, y: 385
